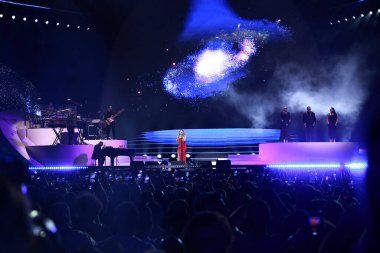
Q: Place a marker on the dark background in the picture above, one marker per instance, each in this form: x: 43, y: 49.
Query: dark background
x: 121, y: 60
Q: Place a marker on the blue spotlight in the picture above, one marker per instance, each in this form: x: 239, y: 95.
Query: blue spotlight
x: 78, y: 27
x: 338, y: 21
x: 68, y: 26
x: 346, y: 19
x: 331, y: 23
x: 1, y: 15
x: 362, y: 15
x: 57, y: 24
x: 370, y: 13
x: 353, y: 17
x: 46, y: 22
x: 13, y: 17
x: 36, y: 21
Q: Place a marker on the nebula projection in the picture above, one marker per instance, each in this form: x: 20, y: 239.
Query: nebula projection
x: 231, y: 43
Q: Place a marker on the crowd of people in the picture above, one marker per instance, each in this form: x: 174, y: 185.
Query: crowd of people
x: 255, y: 210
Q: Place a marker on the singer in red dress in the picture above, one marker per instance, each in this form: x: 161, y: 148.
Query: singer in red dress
x: 181, y: 140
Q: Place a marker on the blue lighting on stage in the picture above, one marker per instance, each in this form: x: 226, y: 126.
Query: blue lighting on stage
x: 231, y: 42
x: 215, y: 137
x: 352, y: 166
x: 59, y: 168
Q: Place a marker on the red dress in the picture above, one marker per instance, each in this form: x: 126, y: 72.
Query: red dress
x: 181, y: 150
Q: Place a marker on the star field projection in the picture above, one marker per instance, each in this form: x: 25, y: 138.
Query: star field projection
x: 231, y: 43
x: 16, y: 92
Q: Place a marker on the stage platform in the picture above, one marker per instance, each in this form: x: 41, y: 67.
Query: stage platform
x: 270, y: 154
x: 236, y: 145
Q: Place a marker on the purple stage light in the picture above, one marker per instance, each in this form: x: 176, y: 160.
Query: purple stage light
x: 59, y: 168
x: 306, y: 166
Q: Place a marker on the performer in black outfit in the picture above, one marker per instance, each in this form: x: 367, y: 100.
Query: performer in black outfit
x: 111, y: 125
x: 309, y: 121
x: 97, y: 154
x: 285, y: 122
x: 70, y: 125
x: 332, y: 122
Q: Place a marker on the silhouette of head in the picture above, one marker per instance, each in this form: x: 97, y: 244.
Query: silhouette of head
x: 208, y: 232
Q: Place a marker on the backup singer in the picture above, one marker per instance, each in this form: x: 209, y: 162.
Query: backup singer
x: 285, y: 122
x: 332, y: 123
x: 309, y: 121
x: 181, y: 140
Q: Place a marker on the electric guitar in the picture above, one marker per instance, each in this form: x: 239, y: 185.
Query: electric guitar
x: 113, y: 117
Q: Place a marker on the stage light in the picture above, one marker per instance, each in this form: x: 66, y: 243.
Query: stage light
x: 59, y: 168
x: 145, y: 155
x: 49, y: 224
x: 187, y: 155
x: 57, y: 24
x: 78, y: 27
x: 353, y: 17
x: 1, y: 15
x: 238, y: 154
x: 172, y: 156
x: 36, y: 20
x: 352, y: 166
x: 362, y: 15
x: 88, y: 28
x: 370, y: 13
x: 33, y: 214
x: 339, y: 21
x: 68, y: 26
x: 68, y: 99
x: 46, y: 22
x: 346, y: 19
x: 378, y: 10
x: 159, y: 156
x: 13, y: 17
x: 331, y: 23
x: 24, y: 18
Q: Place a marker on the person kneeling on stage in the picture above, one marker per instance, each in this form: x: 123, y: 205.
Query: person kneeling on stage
x: 97, y: 154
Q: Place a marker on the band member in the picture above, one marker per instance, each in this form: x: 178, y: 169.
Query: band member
x: 70, y: 125
x: 181, y: 140
x: 110, y: 124
x: 309, y: 121
x: 332, y: 123
x: 97, y: 154
x: 285, y: 122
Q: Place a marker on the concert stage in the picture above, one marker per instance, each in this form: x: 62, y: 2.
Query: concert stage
x: 313, y: 153
x: 35, y: 145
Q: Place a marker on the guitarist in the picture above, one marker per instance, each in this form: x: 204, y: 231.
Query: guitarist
x: 109, y: 117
